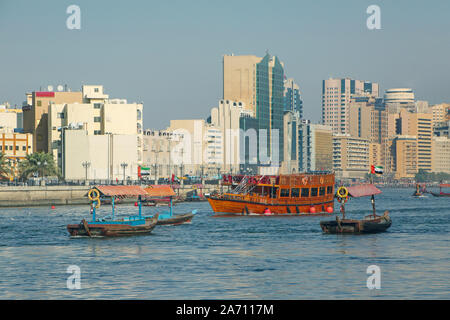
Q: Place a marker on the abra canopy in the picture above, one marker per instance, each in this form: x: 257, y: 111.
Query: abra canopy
x: 363, y: 190
x: 120, y: 191
x: 159, y: 191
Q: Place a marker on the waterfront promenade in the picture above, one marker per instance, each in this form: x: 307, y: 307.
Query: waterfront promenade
x: 25, y: 196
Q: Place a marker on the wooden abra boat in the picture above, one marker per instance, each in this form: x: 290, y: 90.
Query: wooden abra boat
x: 441, y: 194
x: 370, y: 224
x: 167, y: 218
x: 283, y: 195
x: 109, y: 226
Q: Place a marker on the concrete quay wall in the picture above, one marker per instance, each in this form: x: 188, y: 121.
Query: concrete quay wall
x: 19, y: 196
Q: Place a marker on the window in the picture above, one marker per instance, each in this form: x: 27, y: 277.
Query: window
x: 97, y: 119
x: 295, y: 192
x: 329, y: 189
x: 95, y: 89
x: 39, y: 103
x: 17, y: 148
x: 305, y: 192
x: 139, y: 114
x: 97, y: 105
x: 1, y: 148
x: 322, y: 191
x: 97, y: 132
x: 24, y: 148
x: 60, y: 115
x: 313, y: 192
x: 284, y: 193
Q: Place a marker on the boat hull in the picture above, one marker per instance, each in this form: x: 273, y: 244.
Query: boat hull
x: 94, y: 229
x: 351, y: 226
x: 227, y: 207
x: 440, y: 194
x: 177, y: 219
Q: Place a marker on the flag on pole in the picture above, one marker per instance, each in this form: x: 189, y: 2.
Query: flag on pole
x: 376, y: 169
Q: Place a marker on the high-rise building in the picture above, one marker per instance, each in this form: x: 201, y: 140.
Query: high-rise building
x: 336, y: 96
x: 441, y: 154
x: 404, y: 156
x: 292, y: 98
x: 350, y: 156
x: 259, y: 84
x: 315, y: 147
x: 398, y: 98
x: 418, y: 125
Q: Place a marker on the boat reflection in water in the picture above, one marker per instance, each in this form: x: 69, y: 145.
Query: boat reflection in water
x: 283, y: 195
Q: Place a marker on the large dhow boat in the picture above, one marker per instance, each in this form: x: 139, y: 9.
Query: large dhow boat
x: 111, y: 226
x: 283, y: 195
x: 372, y: 223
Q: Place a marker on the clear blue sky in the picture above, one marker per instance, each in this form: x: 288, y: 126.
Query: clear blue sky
x: 168, y: 54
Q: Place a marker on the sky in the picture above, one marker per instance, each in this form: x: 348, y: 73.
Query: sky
x: 168, y: 54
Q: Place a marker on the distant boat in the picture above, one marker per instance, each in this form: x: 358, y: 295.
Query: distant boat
x: 417, y: 193
x: 109, y: 226
x: 441, y: 194
x: 369, y: 224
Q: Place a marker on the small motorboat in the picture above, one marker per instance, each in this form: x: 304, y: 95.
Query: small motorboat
x: 370, y: 224
x: 417, y: 193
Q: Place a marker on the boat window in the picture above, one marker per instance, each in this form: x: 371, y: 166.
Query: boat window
x: 322, y: 191
x: 329, y: 189
x: 295, y: 192
x: 313, y: 192
x: 284, y: 193
x: 305, y: 192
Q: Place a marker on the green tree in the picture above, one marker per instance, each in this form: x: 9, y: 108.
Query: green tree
x: 39, y: 162
x: 5, y: 168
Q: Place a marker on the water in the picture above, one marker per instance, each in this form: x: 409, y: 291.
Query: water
x: 230, y: 258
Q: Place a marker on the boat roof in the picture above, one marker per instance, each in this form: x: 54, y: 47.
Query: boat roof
x: 363, y: 190
x: 159, y: 191
x: 444, y: 185
x: 121, y: 191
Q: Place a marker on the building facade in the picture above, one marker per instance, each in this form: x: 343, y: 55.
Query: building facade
x: 336, y: 95
x: 350, y: 156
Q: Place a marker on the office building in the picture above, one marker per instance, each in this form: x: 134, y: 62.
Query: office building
x: 336, y: 96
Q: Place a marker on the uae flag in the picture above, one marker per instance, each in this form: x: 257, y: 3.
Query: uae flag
x: 376, y: 169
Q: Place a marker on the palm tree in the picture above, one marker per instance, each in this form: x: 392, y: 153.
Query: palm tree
x: 5, y: 168
x: 40, y: 163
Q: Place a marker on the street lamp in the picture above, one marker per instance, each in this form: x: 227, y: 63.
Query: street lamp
x: 124, y: 166
x: 86, y: 165
x: 156, y: 162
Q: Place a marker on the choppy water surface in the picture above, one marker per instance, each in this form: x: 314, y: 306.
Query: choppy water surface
x: 230, y: 258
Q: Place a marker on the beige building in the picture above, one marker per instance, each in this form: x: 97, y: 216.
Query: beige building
x: 440, y: 113
x: 239, y: 79
x: 99, y: 157
x: 404, y: 156
x: 98, y: 115
x: 315, y: 147
x: 336, y: 97
x: 157, y: 153
x: 441, y: 154
x: 15, y: 147
x: 10, y: 118
x: 350, y: 156
x: 35, y: 114
x: 418, y: 125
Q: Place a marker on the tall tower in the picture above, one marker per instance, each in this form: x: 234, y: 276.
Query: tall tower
x: 336, y: 95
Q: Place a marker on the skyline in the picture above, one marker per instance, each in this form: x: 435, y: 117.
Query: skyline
x: 169, y: 60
